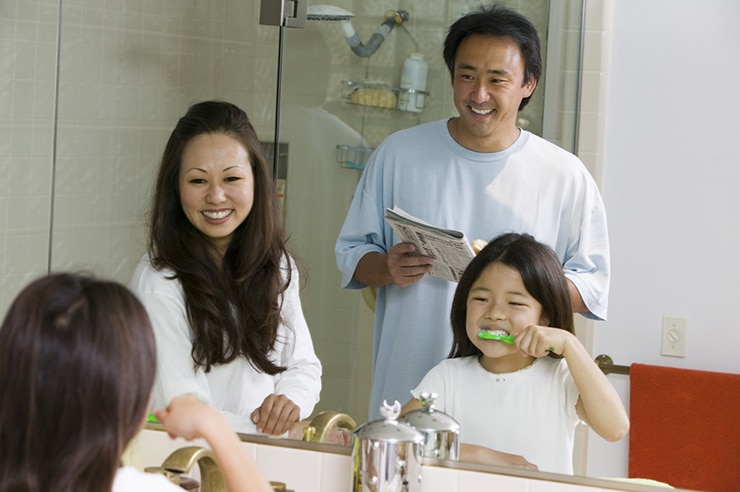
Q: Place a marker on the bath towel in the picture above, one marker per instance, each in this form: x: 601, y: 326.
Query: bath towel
x: 685, y: 427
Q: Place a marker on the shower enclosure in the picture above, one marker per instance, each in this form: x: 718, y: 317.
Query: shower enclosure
x: 336, y: 100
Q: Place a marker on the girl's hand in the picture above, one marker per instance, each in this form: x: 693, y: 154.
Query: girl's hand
x: 538, y: 341
x: 479, y: 454
x: 184, y: 417
x: 276, y: 415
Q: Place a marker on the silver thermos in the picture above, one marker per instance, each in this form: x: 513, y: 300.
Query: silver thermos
x: 386, y: 454
x: 441, y: 432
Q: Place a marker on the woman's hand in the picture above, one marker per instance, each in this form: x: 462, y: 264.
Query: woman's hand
x: 276, y: 415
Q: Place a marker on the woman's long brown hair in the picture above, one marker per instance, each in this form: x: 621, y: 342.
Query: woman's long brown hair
x: 233, y: 308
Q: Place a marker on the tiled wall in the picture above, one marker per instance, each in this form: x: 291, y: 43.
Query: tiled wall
x: 28, y: 44
x: 93, y: 125
x: 592, y: 116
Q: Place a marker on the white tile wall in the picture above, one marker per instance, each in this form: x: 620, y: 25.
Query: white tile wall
x: 27, y: 76
x: 596, y: 48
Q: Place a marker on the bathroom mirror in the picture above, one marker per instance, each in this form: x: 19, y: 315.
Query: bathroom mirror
x: 96, y: 87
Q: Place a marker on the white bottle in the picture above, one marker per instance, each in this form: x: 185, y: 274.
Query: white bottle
x: 413, y: 78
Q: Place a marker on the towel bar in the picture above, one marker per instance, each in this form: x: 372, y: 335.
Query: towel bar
x: 607, y: 366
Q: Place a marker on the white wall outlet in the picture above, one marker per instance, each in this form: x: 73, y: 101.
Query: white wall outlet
x: 674, y: 336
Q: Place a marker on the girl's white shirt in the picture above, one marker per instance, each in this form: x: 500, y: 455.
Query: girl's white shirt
x: 530, y: 412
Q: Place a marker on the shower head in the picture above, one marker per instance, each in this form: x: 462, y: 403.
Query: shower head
x: 332, y: 13
x: 328, y: 13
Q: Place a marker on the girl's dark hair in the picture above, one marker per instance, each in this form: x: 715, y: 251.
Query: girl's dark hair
x: 233, y: 308
x: 542, y: 275
x: 497, y: 21
x: 77, y: 365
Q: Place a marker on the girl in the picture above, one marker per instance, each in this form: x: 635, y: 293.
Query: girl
x: 77, y: 363
x: 218, y: 283
x: 518, y: 380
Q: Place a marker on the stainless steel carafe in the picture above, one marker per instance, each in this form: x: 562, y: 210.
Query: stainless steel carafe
x: 385, y: 454
x: 441, y: 432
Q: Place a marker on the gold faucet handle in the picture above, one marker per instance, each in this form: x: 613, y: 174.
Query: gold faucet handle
x: 309, y: 433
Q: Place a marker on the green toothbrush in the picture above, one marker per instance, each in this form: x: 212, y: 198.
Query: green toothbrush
x: 487, y: 335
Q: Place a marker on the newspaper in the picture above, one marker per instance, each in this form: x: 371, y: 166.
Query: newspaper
x: 450, y: 249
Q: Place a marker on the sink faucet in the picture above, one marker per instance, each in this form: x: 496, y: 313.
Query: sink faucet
x: 324, y: 422
x: 181, y: 461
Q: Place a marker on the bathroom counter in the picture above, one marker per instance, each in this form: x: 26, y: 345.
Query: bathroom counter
x: 315, y: 467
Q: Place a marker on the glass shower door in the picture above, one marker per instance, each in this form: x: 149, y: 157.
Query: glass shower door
x: 327, y: 131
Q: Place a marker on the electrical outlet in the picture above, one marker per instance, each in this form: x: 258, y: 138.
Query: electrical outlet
x: 674, y: 336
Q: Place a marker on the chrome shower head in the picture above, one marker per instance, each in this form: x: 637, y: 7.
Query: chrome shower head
x: 328, y: 13
x: 332, y: 13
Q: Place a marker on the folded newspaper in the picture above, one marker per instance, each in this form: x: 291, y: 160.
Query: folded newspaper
x: 450, y: 249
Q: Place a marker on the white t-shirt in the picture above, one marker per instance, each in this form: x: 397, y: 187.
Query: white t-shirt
x: 129, y: 479
x: 235, y: 388
x: 530, y: 412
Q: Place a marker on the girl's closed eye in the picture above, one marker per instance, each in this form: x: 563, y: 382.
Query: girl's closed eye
x: 519, y: 303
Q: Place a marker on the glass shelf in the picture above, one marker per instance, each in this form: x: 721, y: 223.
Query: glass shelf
x: 352, y: 157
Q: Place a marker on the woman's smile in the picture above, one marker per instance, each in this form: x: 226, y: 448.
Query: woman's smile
x: 216, y: 186
x: 217, y: 216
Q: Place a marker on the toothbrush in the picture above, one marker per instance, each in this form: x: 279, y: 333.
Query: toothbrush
x: 488, y: 335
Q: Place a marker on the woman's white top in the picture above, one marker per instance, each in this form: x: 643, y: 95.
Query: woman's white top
x: 235, y: 388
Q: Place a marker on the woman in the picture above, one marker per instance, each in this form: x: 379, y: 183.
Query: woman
x: 77, y: 363
x: 218, y: 282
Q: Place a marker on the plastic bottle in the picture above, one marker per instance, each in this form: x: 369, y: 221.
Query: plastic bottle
x: 413, y: 77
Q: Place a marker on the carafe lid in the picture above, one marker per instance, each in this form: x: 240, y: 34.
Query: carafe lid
x: 427, y: 419
x: 389, y: 429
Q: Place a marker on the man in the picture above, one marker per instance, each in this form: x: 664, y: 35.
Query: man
x: 478, y: 173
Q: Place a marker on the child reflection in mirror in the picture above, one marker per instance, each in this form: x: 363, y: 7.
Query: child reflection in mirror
x: 518, y: 396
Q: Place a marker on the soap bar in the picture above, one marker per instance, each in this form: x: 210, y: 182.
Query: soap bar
x: 374, y: 96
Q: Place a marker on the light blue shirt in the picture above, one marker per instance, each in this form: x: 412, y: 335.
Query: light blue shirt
x: 532, y: 187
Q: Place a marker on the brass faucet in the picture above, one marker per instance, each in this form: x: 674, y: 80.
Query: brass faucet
x: 320, y: 426
x: 181, y: 461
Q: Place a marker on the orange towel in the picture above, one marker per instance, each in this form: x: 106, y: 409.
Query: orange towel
x: 685, y: 427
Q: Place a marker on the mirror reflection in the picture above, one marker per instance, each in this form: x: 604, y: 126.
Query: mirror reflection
x: 92, y: 128
x: 330, y: 136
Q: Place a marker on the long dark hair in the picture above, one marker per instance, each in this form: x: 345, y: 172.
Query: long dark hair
x: 542, y: 275
x: 233, y: 308
x: 77, y: 365
x: 497, y: 21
